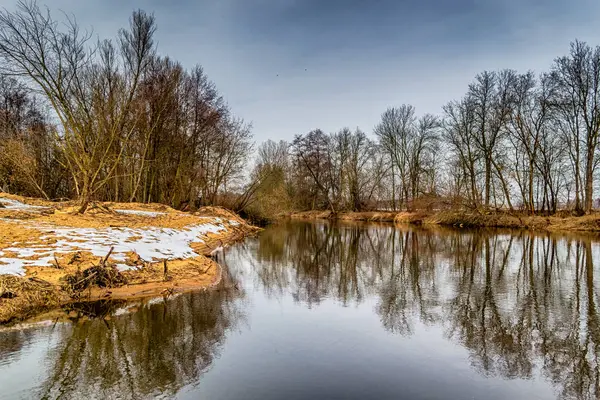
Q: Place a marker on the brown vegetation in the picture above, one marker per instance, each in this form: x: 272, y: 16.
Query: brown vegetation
x: 23, y: 297
x: 125, y: 124
x: 465, y: 219
x: 79, y: 275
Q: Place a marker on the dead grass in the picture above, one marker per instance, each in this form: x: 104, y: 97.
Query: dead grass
x: 372, y: 216
x: 473, y: 220
x: 219, y: 212
x: 465, y: 219
x: 315, y: 214
x: 22, y: 297
x: 81, y: 276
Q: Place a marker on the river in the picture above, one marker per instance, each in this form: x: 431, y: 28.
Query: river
x: 340, y: 311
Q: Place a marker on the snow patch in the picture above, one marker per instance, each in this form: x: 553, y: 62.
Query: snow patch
x: 18, y: 205
x: 151, y: 244
x: 16, y: 266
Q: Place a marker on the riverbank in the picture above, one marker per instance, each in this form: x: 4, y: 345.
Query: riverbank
x: 50, y: 256
x: 463, y: 219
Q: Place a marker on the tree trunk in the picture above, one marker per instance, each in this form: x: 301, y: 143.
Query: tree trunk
x: 504, y: 186
x: 474, y: 194
x: 531, y: 202
x: 577, y: 183
x: 393, y: 188
x: 589, y: 181
x: 488, y: 180
x: 85, y: 197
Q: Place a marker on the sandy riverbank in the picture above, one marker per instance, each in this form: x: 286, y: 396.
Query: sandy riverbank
x: 50, y: 256
x: 463, y: 219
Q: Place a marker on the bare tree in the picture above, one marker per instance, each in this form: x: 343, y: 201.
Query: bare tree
x: 90, y: 87
x: 312, y: 164
x: 490, y: 95
x: 423, y: 147
x: 268, y: 193
x: 577, y: 99
x: 529, y: 123
x: 395, y: 133
x: 459, y: 131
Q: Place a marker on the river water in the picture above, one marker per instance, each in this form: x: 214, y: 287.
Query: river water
x: 340, y: 311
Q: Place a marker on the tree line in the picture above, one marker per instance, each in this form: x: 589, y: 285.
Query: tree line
x: 516, y: 141
x: 110, y: 119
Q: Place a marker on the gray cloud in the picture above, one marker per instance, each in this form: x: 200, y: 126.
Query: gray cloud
x: 291, y: 65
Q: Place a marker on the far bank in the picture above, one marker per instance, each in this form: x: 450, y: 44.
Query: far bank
x: 464, y: 219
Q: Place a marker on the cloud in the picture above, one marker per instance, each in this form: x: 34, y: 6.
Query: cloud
x: 294, y: 65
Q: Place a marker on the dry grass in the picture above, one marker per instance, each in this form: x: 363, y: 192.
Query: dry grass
x: 372, y: 216
x: 466, y: 219
x: 22, y: 297
x: 586, y: 223
x: 219, y: 212
x: 79, y: 275
x: 316, y: 214
x: 472, y: 220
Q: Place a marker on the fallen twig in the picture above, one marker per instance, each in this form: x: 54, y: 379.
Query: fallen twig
x: 57, y: 264
x: 103, y: 263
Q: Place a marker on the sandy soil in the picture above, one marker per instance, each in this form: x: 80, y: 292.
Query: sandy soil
x: 43, y: 243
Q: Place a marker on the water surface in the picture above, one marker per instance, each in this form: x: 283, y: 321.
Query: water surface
x: 340, y: 311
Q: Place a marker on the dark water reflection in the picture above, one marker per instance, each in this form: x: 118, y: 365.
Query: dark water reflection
x: 312, y: 310
x: 152, y: 349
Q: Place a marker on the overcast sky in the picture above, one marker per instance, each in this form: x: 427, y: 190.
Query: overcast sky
x: 290, y: 66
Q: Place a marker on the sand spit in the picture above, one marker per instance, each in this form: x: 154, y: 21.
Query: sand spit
x: 49, y: 254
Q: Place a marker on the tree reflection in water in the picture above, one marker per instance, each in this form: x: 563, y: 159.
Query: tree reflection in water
x: 517, y: 301
x: 152, y: 352
x: 520, y: 303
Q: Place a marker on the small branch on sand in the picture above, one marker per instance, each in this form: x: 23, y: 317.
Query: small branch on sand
x: 166, y: 271
x: 75, y: 257
x: 90, y: 276
x: 103, y: 262
x: 207, y: 269
x: 56, y: 263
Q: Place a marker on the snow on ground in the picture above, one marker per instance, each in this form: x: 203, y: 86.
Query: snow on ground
x: 19, y: 206
x: 141, y: 212
x: 16, y: 266
x: 151, y: 244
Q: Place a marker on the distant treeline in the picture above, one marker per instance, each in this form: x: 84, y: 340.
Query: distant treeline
x: 109, y: 119
x: 515, y: 141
